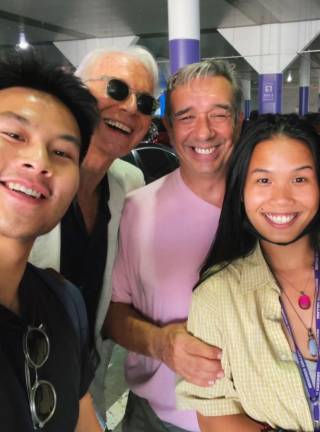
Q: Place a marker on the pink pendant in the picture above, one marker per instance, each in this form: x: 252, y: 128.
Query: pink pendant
x: 304, y: 301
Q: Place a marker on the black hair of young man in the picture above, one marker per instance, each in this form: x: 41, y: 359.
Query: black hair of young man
x: 26, y: 69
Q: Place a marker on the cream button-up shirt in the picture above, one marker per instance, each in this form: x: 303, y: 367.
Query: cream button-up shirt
x: 238, y: 310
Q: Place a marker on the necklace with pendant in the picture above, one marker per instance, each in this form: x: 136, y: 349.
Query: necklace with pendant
x: 312, y: 342
x: 312, y: 385
x: 304, y: 300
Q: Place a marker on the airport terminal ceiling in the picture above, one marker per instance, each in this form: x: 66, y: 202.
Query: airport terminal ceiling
x: 45, y: 22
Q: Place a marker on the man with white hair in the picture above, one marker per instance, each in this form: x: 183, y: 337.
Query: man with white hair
x: 83, y: 246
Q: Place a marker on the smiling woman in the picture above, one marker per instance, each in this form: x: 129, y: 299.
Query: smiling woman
x: 281, y: 193
x: 259, y: 289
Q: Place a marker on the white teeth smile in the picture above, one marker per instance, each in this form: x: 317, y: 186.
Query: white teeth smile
x: 118, y: 125
x: 205, y: 151
x: 280, y: 219
x: 20, y: 188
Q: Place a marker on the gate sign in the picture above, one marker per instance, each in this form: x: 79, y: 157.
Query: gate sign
x: 270, y: 93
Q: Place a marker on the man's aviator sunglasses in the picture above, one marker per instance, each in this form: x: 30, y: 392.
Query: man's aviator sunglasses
x: 120, y: 91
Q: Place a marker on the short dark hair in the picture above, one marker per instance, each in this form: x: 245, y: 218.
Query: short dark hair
x: 232, y: 239
x: 27, y: 69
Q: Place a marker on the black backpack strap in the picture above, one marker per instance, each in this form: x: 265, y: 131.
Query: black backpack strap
x: 71, y: 298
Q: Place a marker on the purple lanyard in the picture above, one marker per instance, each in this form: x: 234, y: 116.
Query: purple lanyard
x: 313, y: 390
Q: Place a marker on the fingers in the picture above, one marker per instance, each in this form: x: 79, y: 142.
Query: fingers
x: 202, y: 349
x: 200, y: 363
x: 202, y: 372
x: 196, y: 361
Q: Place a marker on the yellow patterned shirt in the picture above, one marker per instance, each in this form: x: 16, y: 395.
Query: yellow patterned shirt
x: 238, y: 310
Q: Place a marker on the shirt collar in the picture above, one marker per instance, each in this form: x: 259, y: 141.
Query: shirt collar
x: 256, y: 274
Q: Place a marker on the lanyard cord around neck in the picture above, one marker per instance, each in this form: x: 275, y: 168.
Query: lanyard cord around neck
x: 312, y: 389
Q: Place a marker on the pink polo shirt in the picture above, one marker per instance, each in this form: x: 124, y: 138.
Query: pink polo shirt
x: 165, y: 234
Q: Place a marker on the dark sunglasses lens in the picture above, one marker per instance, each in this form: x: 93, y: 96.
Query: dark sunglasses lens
x: 117, y: 89
x: 45, y: 401
x: 37, y: 347
x: 146, y: 104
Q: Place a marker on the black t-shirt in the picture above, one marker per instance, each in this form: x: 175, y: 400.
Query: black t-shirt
x: 83, y: 256
x: 67, y: 368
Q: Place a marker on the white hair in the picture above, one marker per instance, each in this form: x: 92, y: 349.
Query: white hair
x: 136, y: 51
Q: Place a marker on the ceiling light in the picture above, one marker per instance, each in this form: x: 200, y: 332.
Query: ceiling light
x: 23, y: 43
x: 289, y: 77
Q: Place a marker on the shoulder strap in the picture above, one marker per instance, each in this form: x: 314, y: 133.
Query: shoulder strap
x: 71, y: 298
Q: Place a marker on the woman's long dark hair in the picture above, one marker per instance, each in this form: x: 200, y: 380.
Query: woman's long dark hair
x: 233, y: 240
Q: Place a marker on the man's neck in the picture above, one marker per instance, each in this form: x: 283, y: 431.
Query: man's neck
x: 14, y: 255
x: 93, y: 168
x: 210, y: 188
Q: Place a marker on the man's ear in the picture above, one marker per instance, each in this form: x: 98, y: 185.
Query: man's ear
x: 238, y: 125
x: 168, y: 125
x: 239, y: 120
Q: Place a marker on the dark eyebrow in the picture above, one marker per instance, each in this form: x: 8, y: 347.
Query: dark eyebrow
x: 181, y: 112
x: 303, y: 167
x: 10, y: 114
x: 259, y: 170
x: 262, y: 170
x: 223, y: 106
x: 15, y: 116
x: 185, y: 110
x: 70, y: 138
